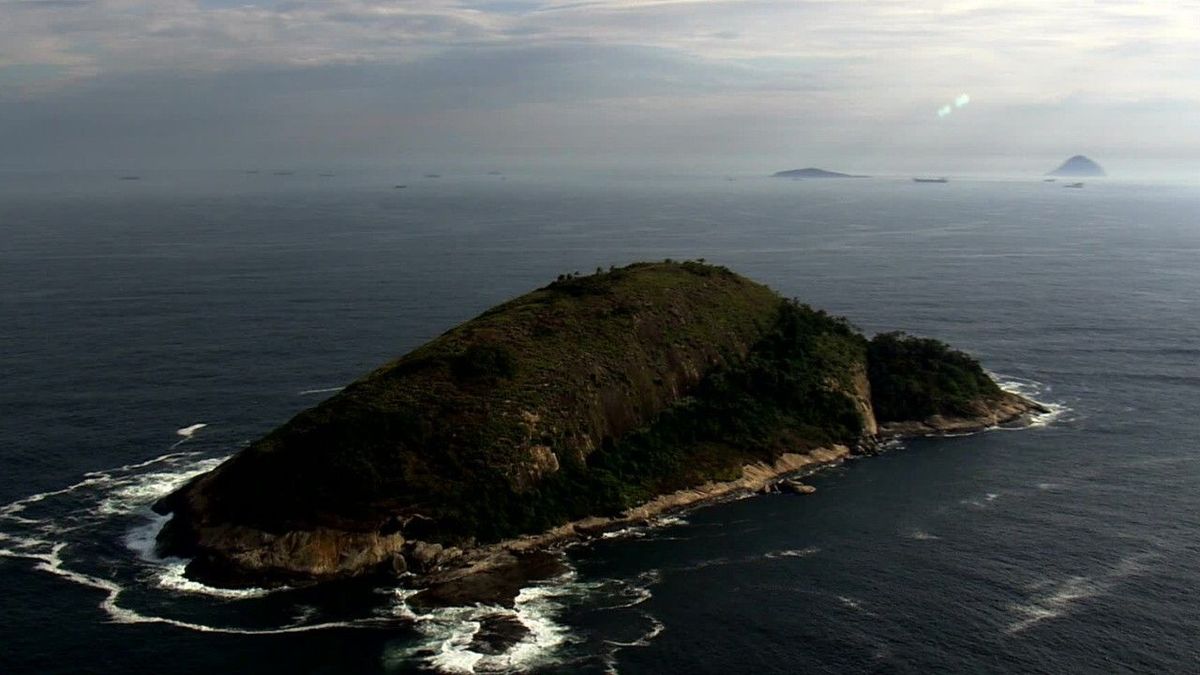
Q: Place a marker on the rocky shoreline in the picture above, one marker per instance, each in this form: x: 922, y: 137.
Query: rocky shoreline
x: 495, y: 573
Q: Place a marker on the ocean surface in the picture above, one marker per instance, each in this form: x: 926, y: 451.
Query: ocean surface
x: 150, y: 328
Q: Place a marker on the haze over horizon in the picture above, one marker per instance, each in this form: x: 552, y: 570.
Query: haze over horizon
x: 736, y: 84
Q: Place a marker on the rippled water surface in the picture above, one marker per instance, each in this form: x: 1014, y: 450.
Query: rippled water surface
x: 148, y: 329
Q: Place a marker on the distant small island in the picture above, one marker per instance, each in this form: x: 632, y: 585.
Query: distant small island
x: 813, y: 172
x: 596, y: 402
x: 1078, y: 166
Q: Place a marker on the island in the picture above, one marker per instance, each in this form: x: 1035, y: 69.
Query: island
x: 592, y: 403
x: 813, y: 172
x: 1078, y: 166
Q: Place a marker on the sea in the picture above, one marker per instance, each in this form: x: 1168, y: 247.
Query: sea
x: 149, y: 328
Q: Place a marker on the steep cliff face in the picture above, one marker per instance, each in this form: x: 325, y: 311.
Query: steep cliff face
x: 586, y: 398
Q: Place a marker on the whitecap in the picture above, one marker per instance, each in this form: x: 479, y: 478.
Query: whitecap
x: 667, y: 521
x: 1053, y: 604
x: 1054, y: 598
x: 130, y: 493
x: 852, y: 603
x: 635, y: 531
x: 189, y: 431
x: 326, y: 390
x: 792, y: 553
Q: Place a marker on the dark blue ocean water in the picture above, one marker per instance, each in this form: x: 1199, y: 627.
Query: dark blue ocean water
x: 131, y: 310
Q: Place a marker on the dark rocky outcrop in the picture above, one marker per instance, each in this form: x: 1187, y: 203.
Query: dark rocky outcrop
x: 796, y: 487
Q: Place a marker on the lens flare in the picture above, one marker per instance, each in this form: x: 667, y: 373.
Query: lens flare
x: 959, y: 101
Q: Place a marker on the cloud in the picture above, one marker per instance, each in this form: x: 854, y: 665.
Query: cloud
x: 813, y: 72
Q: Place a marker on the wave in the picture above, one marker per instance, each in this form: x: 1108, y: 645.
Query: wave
x: 189, y: 431
x: 326, y: 390
x: 531, y: 634
x: 451, y: 636
x: 1054, y: 598
x: 656, y: 629
x: 854, y: 604
x: 646, y: 529
x: 63, y: 532
x: 792, y: 553
x: 1037, y: 392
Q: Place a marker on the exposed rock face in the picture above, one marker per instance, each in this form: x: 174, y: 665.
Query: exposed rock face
x: 594, y: 402
x: 225, y: 552
x: 861, y: 395
x: 1078, y: 166
x: 796, y: 487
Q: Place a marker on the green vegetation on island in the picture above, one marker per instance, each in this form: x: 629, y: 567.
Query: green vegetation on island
x: 584, y: 398
x: 914, y: 378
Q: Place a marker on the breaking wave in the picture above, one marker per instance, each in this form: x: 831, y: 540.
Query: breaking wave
x: 70, y: 532
x: 1042, y: 394
x: 99, y: 533
x: 533, y: 633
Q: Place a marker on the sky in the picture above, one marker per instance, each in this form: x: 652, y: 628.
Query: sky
x: 705, y: 85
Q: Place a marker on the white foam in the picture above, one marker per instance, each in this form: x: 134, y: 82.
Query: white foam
x: 327, y: 390
x: 130, y: 493
x: 51, y: 561
x: 189, y: 431
x: 792, y: 553
x: 656, y: 629
x: 1056, y: 598
x: 123, y: 492
x: 171, y: 577
x: 1054, y: 603
x: 1036, y: 392
x: 853, y: 603
x: 449, y: 631
x: 635, y: 531
x: 922, y: 535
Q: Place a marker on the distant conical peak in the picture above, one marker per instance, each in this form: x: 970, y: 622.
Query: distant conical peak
x: 1078, y: 165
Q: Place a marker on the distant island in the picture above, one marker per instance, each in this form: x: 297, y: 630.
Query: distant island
x: 595, y: 402
x: 813, y: 172
x: 1078, y: 166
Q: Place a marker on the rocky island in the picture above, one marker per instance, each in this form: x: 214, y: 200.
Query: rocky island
x: 1078, y: 166
x: 813, y: 172
x: 591, y: 403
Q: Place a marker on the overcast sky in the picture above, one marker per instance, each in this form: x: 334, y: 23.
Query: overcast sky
x: 849, y: 85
